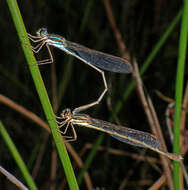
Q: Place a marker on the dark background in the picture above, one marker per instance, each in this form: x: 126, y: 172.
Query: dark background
x: 141, y: 24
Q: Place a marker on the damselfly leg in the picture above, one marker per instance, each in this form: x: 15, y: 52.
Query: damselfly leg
x: 67, y: 124
x: 38, y: 47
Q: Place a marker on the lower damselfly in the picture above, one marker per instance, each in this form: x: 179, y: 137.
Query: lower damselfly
x: 95, y: 59
x: 121, y: 133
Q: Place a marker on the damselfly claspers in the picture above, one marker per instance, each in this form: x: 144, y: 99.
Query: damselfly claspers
x: 95, y: 59
x: 121, y: 133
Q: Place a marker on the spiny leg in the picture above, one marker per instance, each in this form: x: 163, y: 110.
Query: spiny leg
x: 65, y: 130
x: 68, y: 138
x: 47, y: 61
x: 37, y: 48
x: 61, y: 123
x: 39, y: 39
x: 72, y: 138
x: 35, y: 38
x: 58, y: 117
x: 74, y: 134
x: 62, y: 120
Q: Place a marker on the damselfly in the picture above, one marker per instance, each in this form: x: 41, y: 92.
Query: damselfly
x: 121, y: 133
x: 95, y: 59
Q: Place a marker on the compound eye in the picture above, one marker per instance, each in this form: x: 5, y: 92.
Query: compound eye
x: 42, y: 32
x: 38, y: 32
x: 66, y: 113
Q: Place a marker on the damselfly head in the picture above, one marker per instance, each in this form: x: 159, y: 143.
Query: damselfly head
x: 66, y: 114
x: 42, y: 32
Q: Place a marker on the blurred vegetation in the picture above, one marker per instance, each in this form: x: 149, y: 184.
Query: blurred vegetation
x: 141, y: 24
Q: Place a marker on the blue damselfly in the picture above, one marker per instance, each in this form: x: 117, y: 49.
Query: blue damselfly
x: 95, y: 59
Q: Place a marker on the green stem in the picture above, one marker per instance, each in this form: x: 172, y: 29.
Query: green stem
x: 16, y: 16
x: 179, y: 91
x: 17, y: 157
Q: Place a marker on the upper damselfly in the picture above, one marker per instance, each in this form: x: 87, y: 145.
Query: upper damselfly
x: 95, y: 59
x: 121, y: 133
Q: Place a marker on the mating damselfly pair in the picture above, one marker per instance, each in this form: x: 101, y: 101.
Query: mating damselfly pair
x: 99, y: 61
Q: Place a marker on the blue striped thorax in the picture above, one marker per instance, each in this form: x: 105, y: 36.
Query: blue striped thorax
x: 52, y: 39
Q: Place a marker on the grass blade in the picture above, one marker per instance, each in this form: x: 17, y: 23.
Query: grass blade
x: 16, y: 16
